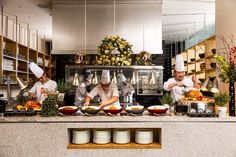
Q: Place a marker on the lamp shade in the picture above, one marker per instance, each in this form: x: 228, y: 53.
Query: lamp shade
x: 75, y: 80
x: 205, y: 84
x: 215, y: 86
x: 21, y: 83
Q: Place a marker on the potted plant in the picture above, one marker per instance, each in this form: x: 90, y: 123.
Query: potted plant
x: 221, y: 100
x: 167, y: 101
x: 63, y: 88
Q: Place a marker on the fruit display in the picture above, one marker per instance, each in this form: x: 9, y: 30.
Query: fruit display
x: 109, y: 45
x: 144, y: 58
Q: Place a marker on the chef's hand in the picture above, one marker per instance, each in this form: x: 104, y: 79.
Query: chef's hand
x: 103, y: 104
x: 31, y: 95
x: 86, y: 103
x: 179, y: 84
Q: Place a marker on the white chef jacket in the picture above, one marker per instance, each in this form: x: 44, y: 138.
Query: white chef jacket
x: 50, y: 85
x: 178, y: 92
x: 113, y: 91
x: 80, y: 95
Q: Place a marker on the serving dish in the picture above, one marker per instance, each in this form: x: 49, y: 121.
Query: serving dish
x: 68, y: 109
x: 91, y: 110
x: 112, y: 109
x: 157, y: 109
x: 136, y: 110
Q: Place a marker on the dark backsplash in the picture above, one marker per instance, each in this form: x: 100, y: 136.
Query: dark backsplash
x: 62, y: 60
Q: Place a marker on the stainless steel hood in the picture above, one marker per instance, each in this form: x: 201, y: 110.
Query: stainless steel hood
x: 78, y: 26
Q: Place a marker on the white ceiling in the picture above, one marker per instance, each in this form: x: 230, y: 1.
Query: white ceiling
x: 181, y: 18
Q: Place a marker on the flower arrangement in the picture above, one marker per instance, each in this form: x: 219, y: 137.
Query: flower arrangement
x: 144, y: 58
x: 226, y: 60
x: 110, y: 43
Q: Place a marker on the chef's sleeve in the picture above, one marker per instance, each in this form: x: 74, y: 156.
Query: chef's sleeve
x: 33, y: 89
x: 82, y: 90
x: 115, y: 91
x: 94, y: 92
x: 54, y: 86
x: 166, y: 84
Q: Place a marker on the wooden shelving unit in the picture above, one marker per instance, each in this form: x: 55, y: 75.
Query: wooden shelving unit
x: 156, y: 144
x: 18, y: 47
x: 16, y: 58
x: 199, y: 66
x: 131, y: 145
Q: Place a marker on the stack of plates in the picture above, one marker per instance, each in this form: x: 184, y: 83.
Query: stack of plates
x: 101, y: 136
x: 144, y: 136
x: 121, y: 136
x: 80, y: 136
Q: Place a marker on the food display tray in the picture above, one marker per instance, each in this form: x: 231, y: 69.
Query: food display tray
x: 202, y: 115
x: 11, y: 113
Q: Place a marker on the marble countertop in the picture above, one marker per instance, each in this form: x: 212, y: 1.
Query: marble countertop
x: 78, y: 118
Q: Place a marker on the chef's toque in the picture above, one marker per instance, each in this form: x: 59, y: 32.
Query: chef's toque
x: 105, y: 78
x: 89, y: 78
x: 123, y: 79
x: 179, y: 65
x: 38, y: 72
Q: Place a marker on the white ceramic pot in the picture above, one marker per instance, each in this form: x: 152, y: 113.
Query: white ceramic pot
x: 222, y: 112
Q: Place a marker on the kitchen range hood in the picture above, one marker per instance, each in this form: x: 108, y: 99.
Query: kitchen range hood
x: 81, y: 24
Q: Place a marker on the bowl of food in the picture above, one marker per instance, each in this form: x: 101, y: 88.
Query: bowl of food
x: 157, y: 109
x: 112, y: 109
x: 135, y: 109
x: 90, y: 109
x: 68, y: 109
x: 192, y: 59
x: 213, y: 51
x: 201, y: 55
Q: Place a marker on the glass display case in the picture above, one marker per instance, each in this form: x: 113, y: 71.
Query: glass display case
x: 147, y: 80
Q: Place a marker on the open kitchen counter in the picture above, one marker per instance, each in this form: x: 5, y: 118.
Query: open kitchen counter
x: 116, y: 118
x: 176, y: 136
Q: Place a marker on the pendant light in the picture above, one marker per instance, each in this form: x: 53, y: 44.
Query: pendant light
x: 133, y: 78
x: 152, y: 78
x: 205, y: 84
x: 114, y: 78
x: 215, y: 86
x: 75, y: 79
x: 95, y: 79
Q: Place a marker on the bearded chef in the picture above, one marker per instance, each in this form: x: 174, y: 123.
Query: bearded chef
x: 81, y: 91
x: 107, y: 91
x: 180, y: 83
x: 43, y: 85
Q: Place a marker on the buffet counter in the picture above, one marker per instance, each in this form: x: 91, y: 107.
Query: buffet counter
x: 177, y: 136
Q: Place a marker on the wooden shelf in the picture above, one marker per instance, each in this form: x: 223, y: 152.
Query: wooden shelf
x: 210, y: 70
x: 9, y: 70
x: 21, y: 60
x: 191, y: 63
x: 23, y: 72
x: 200, y: 60
x: 8, y: 40
x: 10, y: 57
x: 211, y: 56
x: 130, y: 145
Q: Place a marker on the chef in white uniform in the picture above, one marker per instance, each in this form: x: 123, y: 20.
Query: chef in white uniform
x: 126, y: 88
x: 180, y: 83
x: 43, y: 85
x: 107, y: 91
x: 81, y: 91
